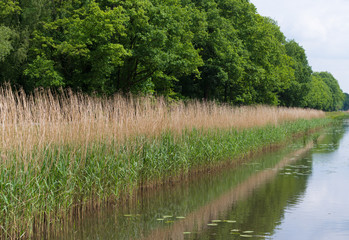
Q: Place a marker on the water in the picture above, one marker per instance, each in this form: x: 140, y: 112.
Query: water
x: 299, y: 192
x: 323, y: 211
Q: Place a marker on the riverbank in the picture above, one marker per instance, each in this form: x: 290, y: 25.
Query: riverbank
x: 60, y: 152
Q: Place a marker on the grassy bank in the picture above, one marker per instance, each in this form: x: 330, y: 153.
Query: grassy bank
x: 59, y: 151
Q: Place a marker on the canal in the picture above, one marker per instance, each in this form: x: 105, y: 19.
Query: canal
x: 297, y: 192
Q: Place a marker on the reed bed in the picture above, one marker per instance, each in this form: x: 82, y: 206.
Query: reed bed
x: 42, y: 118
x: 61, y: 150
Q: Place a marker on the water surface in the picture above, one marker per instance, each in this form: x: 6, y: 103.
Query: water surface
x: 298, y: 192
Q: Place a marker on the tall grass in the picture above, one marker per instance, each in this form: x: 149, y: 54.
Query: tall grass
x: 43, y: 118
x: 60, y: 150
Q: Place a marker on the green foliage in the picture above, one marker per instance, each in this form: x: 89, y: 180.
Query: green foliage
x: 159, y: 38
x: 269, y: 70
x: 293, y: 96
x: 324, y: 93
x: 208, y: 49
x: 8, y: 8
x: 244, y: 55
x: 319, y: 96
x: 336, y: 92
x: 128, y: 46
x: 84, y: 45
x: 222, y: 54
x: 5, y: 42
x: 346, y: 102
x: 42, y: 73
x: 339, y: 115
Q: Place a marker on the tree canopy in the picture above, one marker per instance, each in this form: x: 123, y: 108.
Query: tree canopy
x: 346, y: 102
x: 324, y: 93
x: 219, y: 50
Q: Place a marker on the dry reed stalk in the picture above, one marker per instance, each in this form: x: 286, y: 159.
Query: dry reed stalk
x: 42, y: 118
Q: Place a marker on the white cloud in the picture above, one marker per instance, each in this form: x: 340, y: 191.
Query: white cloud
x: 321, y: 27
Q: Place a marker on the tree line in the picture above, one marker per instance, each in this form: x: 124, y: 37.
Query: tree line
x: 219, y: 50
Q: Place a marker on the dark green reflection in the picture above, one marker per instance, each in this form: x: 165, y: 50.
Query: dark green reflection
x: 264, y: 209
x: 331, y: 139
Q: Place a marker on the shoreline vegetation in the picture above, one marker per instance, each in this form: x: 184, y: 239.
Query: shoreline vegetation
x: 61, y: 151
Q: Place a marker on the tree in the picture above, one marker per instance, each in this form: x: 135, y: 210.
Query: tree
x: 222, y: 53
x: 268, y: 70
x: 8, y: 9
x: 82, y: 47
x: 293, y: 96
x: 336, y: 92
x: 346, y: 102
x: 219, y: 50
x: 159, y: 38
x: 19, y: 19
x: 119, y: 45
x: 245, y: 60
x: 319, y: 96
x: 5, y: 42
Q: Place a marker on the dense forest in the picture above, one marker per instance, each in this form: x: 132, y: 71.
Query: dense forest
x: 220, y: 50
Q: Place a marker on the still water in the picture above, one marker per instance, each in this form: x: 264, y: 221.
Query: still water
x: 299, y: 192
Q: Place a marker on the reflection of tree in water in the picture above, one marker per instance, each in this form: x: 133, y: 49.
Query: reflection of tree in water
x: 221, y: 207
x: 265, y: 208
x: 331, y: 139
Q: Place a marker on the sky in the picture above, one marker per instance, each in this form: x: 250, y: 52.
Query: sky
x: 321, y: 27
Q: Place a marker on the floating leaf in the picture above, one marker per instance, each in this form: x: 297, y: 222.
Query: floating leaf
x: 160, y: 219
x: 127, y: 215
x: 230, y: 221
x: 167, y: 216
x: 247, y: 231
x: 180, y: 217
x: 186, y: 232
x: 216, y: 221
x: 246, y: 236
x: 235, y: 230
x: 212, y: 224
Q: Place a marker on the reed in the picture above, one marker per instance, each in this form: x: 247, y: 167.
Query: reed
x: 62, y: 150
x: 45, y: 118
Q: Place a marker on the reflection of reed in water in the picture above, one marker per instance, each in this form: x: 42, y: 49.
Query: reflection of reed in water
x: 200, y: 218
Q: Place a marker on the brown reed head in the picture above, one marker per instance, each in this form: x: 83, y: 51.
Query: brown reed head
x: 45, y: 117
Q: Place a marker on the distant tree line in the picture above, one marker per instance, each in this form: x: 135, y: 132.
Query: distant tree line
x: 219, y: 50
x: 346, y: 102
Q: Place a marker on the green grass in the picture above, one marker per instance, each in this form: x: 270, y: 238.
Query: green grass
x: 43, y: 186
x: 337, y: 115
